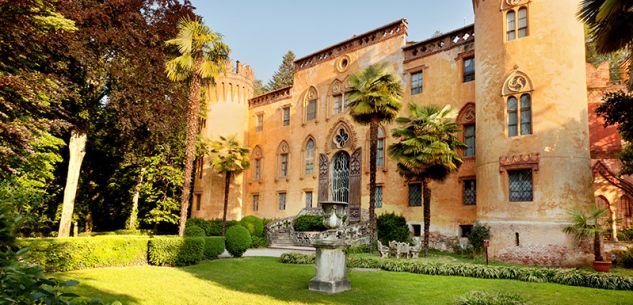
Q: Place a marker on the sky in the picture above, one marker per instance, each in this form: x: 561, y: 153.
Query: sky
x: 260, y: 32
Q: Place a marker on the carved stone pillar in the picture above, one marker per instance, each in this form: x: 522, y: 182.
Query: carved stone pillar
x: 355, y: 186
x: 324, y: 174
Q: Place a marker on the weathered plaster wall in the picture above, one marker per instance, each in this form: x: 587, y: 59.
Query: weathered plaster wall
x: 553, y: 58
x: 227, y: 115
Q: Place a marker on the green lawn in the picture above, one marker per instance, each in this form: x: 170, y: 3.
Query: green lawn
x: 265, y: 281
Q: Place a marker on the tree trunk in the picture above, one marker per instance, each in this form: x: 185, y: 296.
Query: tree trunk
x: 190, y: 153
x: 77, y: 151
x: 88, y: 228
x: 132, y: 221
x: 597, y: 247
x: 227, y: 184
x: 373, y: 143
x: 426, y: 201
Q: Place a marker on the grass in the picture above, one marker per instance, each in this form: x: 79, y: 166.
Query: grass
x: 260, y: 280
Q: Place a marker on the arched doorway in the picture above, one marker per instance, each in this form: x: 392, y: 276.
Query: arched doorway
x: 339, y: 180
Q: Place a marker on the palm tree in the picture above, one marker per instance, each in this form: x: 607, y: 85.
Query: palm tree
x: 374, y: 99
x: 427, y: 151
x: 203, y: 56
x: 584, y: 225
x: 610, y: 24
x: 230, y: 158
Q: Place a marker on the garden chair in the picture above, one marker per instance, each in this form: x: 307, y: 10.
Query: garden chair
x: 415, y: 250
x: 383, y: 250
x: 393, y: 248
x: 402, y: 250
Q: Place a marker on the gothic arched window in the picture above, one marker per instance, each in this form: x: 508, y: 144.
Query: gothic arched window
x: 309, y: 157
x: 282, y: 159
x: 311, y: 104
x: 517, y: 90
x: 257, y: 163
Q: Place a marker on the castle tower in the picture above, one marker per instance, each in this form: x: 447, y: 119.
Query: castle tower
x: 533, y: 162
x: 226, y: 115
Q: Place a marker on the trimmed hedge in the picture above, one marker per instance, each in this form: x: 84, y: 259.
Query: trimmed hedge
x: 254, y: 225
x: 309, y: 223
x: 64, y: 254
x: 213, y: 246
x: 570, y: 277
x: 238, y: 240
x: 486, y: 298
x: 176, y: 251
x: 194, y: 231
x: 392, y: 227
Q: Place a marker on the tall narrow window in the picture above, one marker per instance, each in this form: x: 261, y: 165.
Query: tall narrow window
x: 512, y: 116
x: 469, y: 69
x: 510, y: 25
x: 286, y: 116
x: 520, y: 185
x: 282, y: 201
x: 522, y: 27
x: 200, y: 166
x: 308, y: 196
x: 258, y: 169
x: 198, y: 198
x: 378, y: 196
x: 345, y: 101
x: 380, y: 148
x: 416, y: 83
x: 283, y: 161
x: 526, y: 114
x: 470, y: 192
x: 415, y: 194
x: 312, y: 110
x: 469, y: 140
x: 309, y: 156
x: 338, y: 103
x: 260, y: 123
x: 255, y: 202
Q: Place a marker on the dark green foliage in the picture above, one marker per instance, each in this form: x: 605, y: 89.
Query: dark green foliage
x: 254, y: 225
x: 201, y: 223
x: 477, y: 236
x: 213, y: 246
x: 617, y: 109
x: 259, y: 242
x: 64, y: 254
x: 176, y: 251
x: 284, y: 76
x: 194, y: 231
x: 625, y: 234
x: 626, y: 257
x: 486, y: 298
x: 357, y: 249
x: 570, y: 277
x: 297, y: 258
x: 392, y: 227
x: 308, y: 223
x: 238, y: 240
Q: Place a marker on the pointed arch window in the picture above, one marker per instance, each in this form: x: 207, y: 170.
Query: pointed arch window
x: 257, y: 163
x: 309, y: 157
x: 517, y: 91
x: 282, y: 159
x: 311, y: 104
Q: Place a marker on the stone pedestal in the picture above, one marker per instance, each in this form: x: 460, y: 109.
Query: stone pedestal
x: 330, y: 263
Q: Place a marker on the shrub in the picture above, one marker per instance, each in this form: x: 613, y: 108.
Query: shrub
x: 176, y: 251
x: 200, y: 223
x: 254, y: 225
x: 357, y: 249
x: 238, y: 240
x: 625, y: 234
x: 213, y: 246
x: 477, y: 236
x: 64, y: 254
x: 307, y: 223
x: 259, y: 242
x: 485, y: 298
x: 570, y: 277
x: 215, y: 226
x: 194, y: 231
x: 626, y: 257
x: 392, y: 227
x: 128, y: 232
x: 297, y: 258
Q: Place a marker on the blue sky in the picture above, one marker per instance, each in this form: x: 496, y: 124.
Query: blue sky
x: 261, y: 32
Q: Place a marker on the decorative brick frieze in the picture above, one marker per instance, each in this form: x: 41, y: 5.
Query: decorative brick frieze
x: 521, y: 161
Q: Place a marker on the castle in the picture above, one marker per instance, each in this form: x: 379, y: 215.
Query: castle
x: 525, y: 96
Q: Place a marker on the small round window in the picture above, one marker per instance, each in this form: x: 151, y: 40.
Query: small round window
x: 342, y: 63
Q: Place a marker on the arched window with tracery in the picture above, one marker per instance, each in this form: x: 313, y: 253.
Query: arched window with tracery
x: 311, y: 104
x: 466, y: 118
x: 517, y: 90
x: 257, y: 156
x: 282, y: 159
x: 309, y: 156
x: 516, y: 18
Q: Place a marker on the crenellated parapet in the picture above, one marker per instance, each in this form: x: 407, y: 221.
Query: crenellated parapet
x: 374, y: 36
x: 440, y: 43
x: 271, y: 97
x: 234, y: 85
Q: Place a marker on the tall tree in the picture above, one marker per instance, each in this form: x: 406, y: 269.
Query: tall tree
x: 617, y: 109
x: 610, y: 24
x: 203, y: 56
x: 284, y: 76
x: 230, y: 158
x: 426, y: 151
x: 374, y: 99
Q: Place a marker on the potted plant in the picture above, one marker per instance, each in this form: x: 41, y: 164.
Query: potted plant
x: 589, y: 224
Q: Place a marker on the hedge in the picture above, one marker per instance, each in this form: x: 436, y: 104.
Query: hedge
x: 176, y: 251
x: 238, y: 240
x: 213, y: 246
x: 194, y: 231
x: 254, y: 225
x: 309, y: 223
x: 570, y: 277
x: 487, y: 298
x: 64, y: 254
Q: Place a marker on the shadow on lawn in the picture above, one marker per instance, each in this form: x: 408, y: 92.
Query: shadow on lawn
x: 88, y: 292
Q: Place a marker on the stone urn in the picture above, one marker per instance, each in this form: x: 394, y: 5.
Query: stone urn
x: 331, y: 274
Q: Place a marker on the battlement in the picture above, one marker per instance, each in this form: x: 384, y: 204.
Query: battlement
x: 356, y: 42
x: 440, y: 43
x: 270, y: 97
x: 239, y: 69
